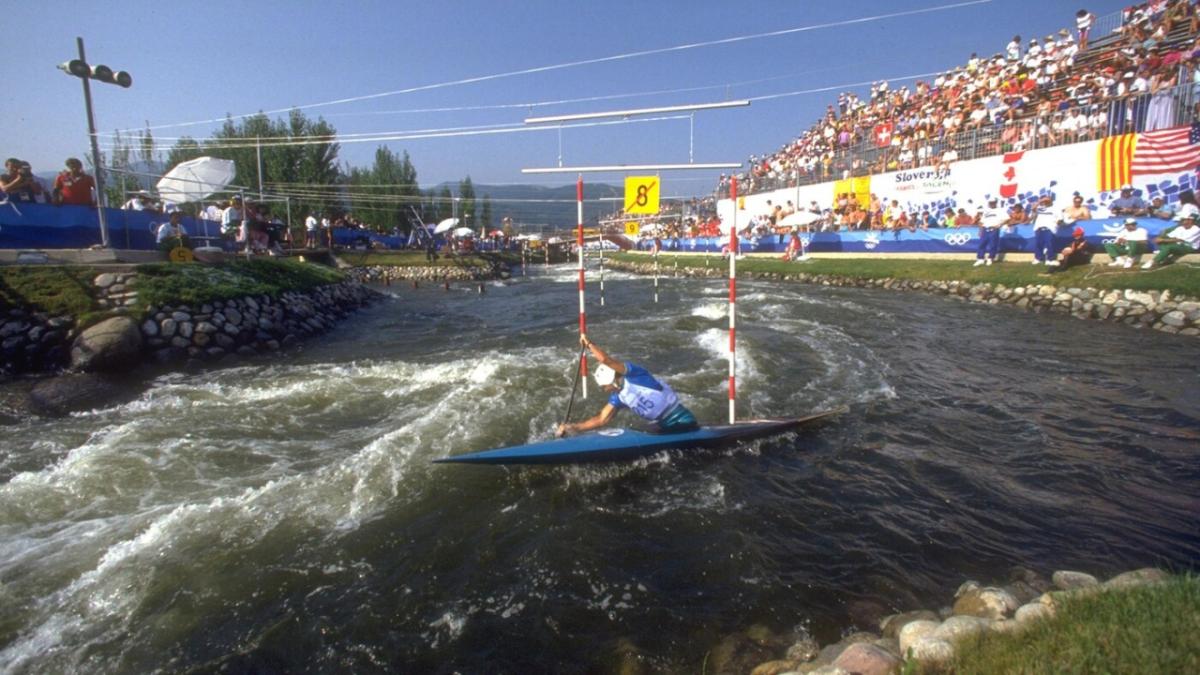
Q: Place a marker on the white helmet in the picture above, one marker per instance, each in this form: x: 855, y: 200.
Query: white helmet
x: 604, y: 375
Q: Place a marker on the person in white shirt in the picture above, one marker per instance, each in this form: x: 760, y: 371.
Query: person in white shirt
x: 1130, y: 244
x: 990, y: 222
x: 142, y: 201
x: 310, y: 230
x: 1178, y: 241
x: 231, y: 217
x: 1045, y: 222
x: 172, y: 234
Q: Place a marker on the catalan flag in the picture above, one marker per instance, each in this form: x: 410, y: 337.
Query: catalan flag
x: 1115, y: 161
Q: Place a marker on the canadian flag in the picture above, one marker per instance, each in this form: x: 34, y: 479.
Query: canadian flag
x: 883, y: 134
x: 1009, y: 187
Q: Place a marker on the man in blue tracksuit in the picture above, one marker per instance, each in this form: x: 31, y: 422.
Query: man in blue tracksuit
x: 990, y: 222
x: 631, y: 386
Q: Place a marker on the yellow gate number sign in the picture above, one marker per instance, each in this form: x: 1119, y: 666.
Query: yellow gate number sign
x: 632, y: 228
x: 641, y: 194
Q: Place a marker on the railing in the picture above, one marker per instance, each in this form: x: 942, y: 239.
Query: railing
x: 1104, y: 26
x: 1130, y: 114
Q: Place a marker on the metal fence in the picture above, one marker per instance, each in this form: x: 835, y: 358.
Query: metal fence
x: 1129, y: 114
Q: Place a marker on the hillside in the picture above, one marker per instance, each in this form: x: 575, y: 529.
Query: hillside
x: 538, y: 204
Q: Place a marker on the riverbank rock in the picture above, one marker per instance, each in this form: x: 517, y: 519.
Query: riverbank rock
x: 1069, y: 581
x: 1031, y: 612
x: 867, y: 659
x: 914, y: 631
x: 957, y: 627
x: 932, y: 650
x: 110, y: 345
x: 72, y: 392
x: 987, y: 603
x: 891, y: 625
x: 1142, y: 577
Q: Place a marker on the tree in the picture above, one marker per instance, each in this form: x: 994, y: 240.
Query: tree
x: 485, y: 214
x: 383, y: 195
x: 466, y: 206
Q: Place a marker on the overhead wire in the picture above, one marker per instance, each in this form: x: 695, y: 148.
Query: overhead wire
x: 582, y: 62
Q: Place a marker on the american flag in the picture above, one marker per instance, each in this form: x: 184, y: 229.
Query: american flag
x: 1167, y: 151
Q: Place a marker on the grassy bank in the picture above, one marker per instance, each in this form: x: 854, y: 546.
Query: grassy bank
x: 68, y: 289
x: 1148, y: 629
x: 54, y: 290
x: 163, y: 283
x: 417, y: 259
x: 1180, y: 279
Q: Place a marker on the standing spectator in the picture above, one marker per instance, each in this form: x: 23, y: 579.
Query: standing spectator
x: 73, y: 186
x: 310, y: 230
x: 1179, y: 241
x: 1083, y: 23
x: 231, y: 218
x: 1044, y: 224
x: 990, y: 222
x: 17, y: 182
x: 1129, y: 245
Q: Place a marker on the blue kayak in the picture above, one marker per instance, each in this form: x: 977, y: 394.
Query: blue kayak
x: 610, y: 445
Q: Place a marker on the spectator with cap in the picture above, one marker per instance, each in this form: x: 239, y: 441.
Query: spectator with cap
x: 990, y: 222
x: 73, y: 187
x: 1176, y: 242
x: 231, y: 217
x: 1129, y: 245
x: 1128, y: 204
x: 172, y: 233
x: 1076, y: 253
x: 142, y: 201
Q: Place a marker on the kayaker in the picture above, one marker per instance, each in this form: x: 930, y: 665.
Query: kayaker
x: 633, y: 387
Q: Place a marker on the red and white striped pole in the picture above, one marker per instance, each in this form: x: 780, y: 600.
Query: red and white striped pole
x: 733, y: 250
x: 583, y: 371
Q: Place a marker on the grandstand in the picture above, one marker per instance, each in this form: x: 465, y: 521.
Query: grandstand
x: 1135, y: 75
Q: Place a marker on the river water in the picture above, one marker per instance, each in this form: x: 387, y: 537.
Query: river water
x: 284, y: 516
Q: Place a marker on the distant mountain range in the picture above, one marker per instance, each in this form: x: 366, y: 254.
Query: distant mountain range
x: 541, y: 205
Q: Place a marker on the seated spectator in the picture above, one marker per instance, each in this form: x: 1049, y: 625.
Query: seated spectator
x: 1076, y: 253
x: 1129, y: 245
x: 1076, y: 211
x: 142, y: 201
x: 963, y: 219
x: 172, y: 234
x: 1176, y: 242
x: 1128, y: 204
x: 1160, y: 209
x: 73, y: 187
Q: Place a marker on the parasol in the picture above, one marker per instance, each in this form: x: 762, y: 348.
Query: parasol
x: 445, y: 226
x: 195, y: 179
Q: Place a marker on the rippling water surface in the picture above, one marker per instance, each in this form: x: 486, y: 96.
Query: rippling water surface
x: 286, y: 516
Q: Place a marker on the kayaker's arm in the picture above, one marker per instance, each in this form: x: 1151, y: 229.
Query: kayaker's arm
x: 601, y: 356
x: 602, y: 418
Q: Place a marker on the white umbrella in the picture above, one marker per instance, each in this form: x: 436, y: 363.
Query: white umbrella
x: 445, y: 226
x: 463, y: 232
x: 195, y: 179
x: 800, y: 219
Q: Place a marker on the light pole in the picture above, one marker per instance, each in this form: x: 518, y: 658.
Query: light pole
x: 80, y: 68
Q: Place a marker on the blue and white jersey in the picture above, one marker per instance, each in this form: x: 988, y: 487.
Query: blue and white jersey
x: 1045, y: 219
x: 642, y: 393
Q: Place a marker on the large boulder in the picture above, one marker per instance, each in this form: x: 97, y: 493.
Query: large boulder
x: 110, y: 345
x: 74, y: 391
x: 1142, y: 577
x: 1068, y: 580
x: 913, y: 631
x: 986, y: 603
x: 891, y: 625
x: 867, y: 659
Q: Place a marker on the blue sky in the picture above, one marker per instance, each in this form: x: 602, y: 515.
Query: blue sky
x: 193, y: 61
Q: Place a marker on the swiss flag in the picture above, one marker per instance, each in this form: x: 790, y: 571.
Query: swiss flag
x: 883, y: 134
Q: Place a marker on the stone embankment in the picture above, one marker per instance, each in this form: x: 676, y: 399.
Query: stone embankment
x: 383, y: 274
x: 1159, y: 310
x: 925, y: 635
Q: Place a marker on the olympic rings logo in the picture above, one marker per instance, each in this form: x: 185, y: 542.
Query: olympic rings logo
x: 957, y: 238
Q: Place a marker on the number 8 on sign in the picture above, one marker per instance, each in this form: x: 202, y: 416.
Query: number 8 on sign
x: 641, y: 194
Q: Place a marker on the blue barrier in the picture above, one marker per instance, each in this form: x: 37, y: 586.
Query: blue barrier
x: 934, y: 240
x: 42, y: 226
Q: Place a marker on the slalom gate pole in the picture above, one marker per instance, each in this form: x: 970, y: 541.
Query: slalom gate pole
x: 582, y: 305
x: 602, y: 266
x: 571, y: 401
x: 656, y: 271
x: 676, y: 272
x: 733, y: 251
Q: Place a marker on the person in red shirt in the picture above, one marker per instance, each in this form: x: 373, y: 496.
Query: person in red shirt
x: 73, y: 186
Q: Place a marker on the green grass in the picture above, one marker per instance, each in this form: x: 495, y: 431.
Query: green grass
x: 1180, y: 279
x: 54, y: 290
x: 166, y: 283
x: 1148, y: 629
x: 417, y: 259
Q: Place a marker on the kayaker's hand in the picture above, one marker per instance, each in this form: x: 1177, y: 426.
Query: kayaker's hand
x: 560, y: 431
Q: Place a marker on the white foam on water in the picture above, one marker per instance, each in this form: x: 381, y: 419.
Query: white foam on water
x: 712, y: 310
